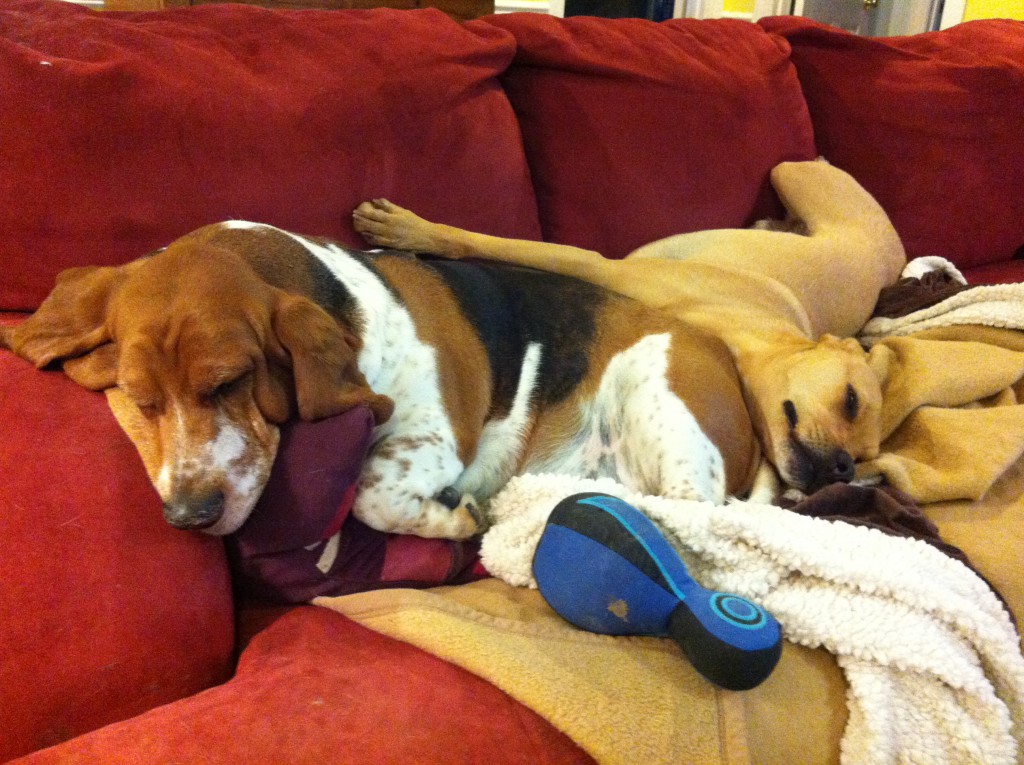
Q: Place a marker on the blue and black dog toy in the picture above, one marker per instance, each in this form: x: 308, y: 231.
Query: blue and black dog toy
x: 605, y: 567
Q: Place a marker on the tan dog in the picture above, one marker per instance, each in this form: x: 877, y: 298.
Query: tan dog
x: 777, y: 298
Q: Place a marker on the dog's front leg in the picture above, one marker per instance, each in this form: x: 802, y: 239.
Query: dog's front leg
x: 406, y: 487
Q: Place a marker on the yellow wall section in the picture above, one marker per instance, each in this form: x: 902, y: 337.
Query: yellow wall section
x: 976, y: 9
x: 991, y: 9
x: 747, y: 6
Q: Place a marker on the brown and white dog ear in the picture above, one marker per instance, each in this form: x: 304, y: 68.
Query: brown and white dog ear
x: 71, y: 325
x: 96, y: 370
x: 323, y: 357
x: 273, y: 387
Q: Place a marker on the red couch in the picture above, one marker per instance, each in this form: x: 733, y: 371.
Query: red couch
x: 122, y: 639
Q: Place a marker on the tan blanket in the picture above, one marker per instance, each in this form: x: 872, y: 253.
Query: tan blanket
x: 624, y: 700
x: 933, y: 662
x: 953, y: 406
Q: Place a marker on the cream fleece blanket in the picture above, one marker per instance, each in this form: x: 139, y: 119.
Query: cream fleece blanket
x: 997, y: 305
x: 932, y: 660
x: 953, y: 391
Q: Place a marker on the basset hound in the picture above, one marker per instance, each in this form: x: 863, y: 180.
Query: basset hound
x: 474, y: 372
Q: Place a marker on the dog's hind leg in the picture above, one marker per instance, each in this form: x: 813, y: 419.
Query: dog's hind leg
x: 385, y: 224
x: 658, y: 445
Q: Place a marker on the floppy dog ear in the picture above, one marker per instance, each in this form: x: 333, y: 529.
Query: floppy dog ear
x: 323, y: 355
x: 273, y: 386
x: 97, y: 370
x: 70, y: 325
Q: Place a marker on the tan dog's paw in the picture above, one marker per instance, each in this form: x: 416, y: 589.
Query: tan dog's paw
x: 384, y: 224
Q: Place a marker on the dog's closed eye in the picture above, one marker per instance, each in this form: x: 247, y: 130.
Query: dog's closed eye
x: 223, y: 382
x: 790, y: 409
x: 228, y: 387
x: 851, y: 406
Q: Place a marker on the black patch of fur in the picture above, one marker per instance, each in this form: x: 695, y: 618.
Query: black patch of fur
x: 512, y: 307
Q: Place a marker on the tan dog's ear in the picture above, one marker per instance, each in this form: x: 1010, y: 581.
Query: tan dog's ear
x: 71, y: 323
x: 847, y: 344
x: 323, y: 354
x: 853, y: 346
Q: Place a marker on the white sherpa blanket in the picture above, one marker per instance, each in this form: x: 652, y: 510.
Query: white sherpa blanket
x: 932, y: 660
x: 998, y: 305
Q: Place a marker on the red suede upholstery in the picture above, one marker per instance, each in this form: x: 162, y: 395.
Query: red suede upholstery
x: 1004, y: 272
x: 105, y: 610
x: 930, y: 124
x: 156, y: 123
x: 318, y: 688
x: 635, y: 131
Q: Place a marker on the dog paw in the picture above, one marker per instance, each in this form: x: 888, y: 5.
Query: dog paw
x: 385, y: 224
x: 466, y: 517
x: 450, y: 497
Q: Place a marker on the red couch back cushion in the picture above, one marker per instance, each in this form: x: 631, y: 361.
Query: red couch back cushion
x: 105, y: 610
x: 635, y: 131
x: 930, y: 124
x: 121, y: 131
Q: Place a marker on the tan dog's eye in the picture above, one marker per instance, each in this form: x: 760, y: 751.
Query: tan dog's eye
x: 790, y: 411
x: 852, y: 404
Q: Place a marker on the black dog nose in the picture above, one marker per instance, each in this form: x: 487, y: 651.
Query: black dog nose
x: 842, y: 469
x: 195, y: 513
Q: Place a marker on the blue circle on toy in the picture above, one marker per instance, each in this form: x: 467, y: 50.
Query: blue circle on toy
x: 738, y: 611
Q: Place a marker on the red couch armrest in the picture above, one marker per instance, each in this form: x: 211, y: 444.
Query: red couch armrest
x: 105, y: 610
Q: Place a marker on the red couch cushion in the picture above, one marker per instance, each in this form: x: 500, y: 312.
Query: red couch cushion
x: 930, y: 124
x: 635, y: 131
x: 1004, y: 272
x: 315, y: 688
x: 122, y: 131
x: 105, y: 610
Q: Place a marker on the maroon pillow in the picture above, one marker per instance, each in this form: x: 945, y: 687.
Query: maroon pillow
x: 120, y: 132
x: 636, y: 130
x: 301, y: 540
x: 105, y: 610
x: 930, y: 124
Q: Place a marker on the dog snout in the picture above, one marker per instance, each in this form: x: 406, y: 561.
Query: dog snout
x: 195, y: 512
x: 811, y: 469
x: 842, y: 467
x: 832, y: 467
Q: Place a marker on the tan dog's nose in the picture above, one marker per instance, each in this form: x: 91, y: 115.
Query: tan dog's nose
x: 195, y: 512
x: 843, y: 468
x: 833, y: 467
x: 817, y: 468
